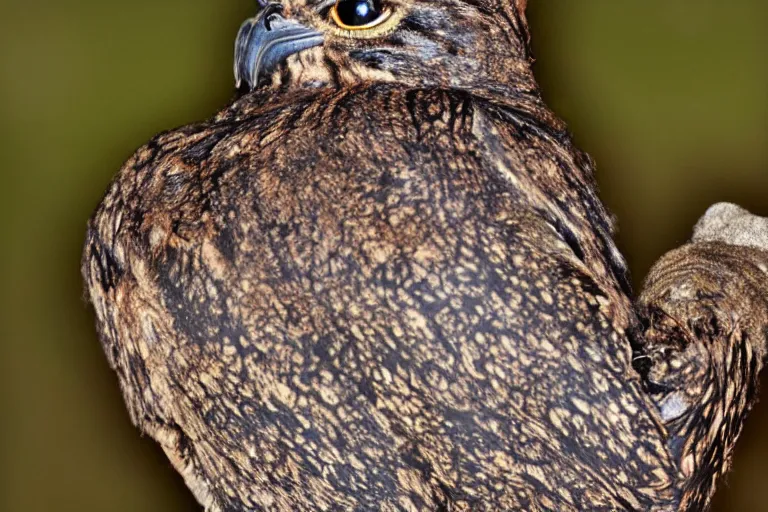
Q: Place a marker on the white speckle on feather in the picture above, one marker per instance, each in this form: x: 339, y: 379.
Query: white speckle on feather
x: 673, y: 406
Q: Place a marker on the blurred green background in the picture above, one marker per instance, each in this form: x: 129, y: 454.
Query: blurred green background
x: 670, y: 97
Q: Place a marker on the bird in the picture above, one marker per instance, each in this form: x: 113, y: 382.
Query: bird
x: 382, y: 279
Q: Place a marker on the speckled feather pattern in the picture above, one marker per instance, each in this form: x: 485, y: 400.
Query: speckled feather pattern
x: 403, y: 330
x: 705, y: 311
x: 377, y: 296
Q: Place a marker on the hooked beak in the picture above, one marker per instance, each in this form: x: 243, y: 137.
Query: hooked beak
x: 266, y: 40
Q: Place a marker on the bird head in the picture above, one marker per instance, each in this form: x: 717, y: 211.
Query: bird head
x: 472, y: 44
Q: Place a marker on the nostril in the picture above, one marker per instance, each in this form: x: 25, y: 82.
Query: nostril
x: 270, y: 9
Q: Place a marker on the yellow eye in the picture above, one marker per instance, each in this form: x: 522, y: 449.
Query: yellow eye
x: 359, y: 14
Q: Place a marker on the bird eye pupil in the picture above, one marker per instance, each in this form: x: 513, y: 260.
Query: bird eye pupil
x: 358, y: 12
x: 362, y: 9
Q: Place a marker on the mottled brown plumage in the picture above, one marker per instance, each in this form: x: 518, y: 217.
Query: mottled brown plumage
x: 705, y: 313
x: 383, y: 281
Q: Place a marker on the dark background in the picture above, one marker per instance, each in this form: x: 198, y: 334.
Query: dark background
x: 670, y: 97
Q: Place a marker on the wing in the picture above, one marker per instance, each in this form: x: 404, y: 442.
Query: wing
x: 380, y: 299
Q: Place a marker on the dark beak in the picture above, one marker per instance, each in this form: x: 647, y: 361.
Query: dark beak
x: 266, y: 40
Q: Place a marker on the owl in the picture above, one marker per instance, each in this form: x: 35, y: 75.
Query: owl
x: 381, y: 279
